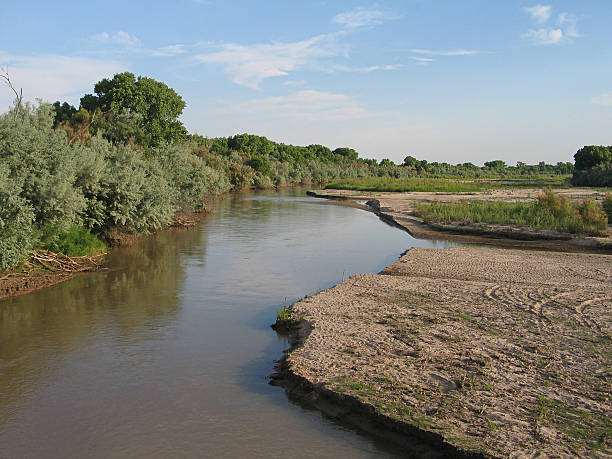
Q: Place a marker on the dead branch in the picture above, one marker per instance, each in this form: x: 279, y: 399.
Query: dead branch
x: 58, y: 262
x: 6, y: 79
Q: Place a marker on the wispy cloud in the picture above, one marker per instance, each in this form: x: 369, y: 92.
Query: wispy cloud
x: 603, y: 99
x: 120, y: 38
x: 422, y: 60
x: 362, y: 17
x: 308, y: 105
x: 564, y: 31
x: 52, y: 77
x: 457, y: 52
x: 132, y: 44
x: 371, y: 68
x: 249, y: 65
x: 539, y: 13
x: 544, y: 36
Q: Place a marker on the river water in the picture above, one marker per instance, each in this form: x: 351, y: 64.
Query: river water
x: 166, y: 353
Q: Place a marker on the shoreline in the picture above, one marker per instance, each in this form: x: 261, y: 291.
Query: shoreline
x: 356, y: 355
x: 510, y: 237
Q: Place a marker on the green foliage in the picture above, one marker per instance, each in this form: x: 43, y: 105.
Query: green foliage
x: 591, y: 156
x: 549, y: 211
x: 63, y: 112
x: 407, y: 184
x: 497, y: 164
x: 16, y: 218
x: 75, y: 241
x: 157, y: 106
x: 597, y: 176
x: 53, y: 191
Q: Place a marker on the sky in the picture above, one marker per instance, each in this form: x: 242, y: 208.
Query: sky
x: 443, y: 80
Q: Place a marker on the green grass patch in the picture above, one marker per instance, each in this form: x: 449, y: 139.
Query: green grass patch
x: 75, y: 242
x: 408, y: 184
x: 442, y: 185
x: 548, y: 212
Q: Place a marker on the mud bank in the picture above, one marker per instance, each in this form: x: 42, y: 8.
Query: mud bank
x: 397, y: 208
x: 493, y: 351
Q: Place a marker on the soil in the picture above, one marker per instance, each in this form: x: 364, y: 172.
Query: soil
x: 496, y: 351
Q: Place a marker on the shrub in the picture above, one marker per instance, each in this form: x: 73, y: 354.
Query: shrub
x: 594, y: 219
x: 607, y: 206
x: 16, y: 218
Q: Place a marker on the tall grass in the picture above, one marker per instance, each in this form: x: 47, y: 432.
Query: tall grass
x: 549, y: 212
x: 444, y: 185
x: 408, y: 184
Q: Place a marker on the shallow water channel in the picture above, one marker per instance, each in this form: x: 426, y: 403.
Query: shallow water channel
x: 166, y: 353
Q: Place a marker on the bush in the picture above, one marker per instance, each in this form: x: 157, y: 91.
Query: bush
x: 594, y: 219
x: 16, y: 218
x: 607, y: 206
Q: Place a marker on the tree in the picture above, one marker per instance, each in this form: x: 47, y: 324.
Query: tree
x: 63, y: 112
x: 497, y: 164
x: 346, y: 153
x: 157, y: 105
x: 591, y: 156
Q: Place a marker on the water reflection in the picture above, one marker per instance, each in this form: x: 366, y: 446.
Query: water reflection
x: 167, y: 351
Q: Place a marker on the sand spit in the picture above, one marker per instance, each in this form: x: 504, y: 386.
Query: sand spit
x: 502, y: 352
x: 398, y: 208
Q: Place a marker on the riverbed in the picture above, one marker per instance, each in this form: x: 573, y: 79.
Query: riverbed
x: 167, y: 351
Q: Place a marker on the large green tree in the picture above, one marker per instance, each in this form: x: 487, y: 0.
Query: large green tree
x: 157, y: 107
x: 591, y: 156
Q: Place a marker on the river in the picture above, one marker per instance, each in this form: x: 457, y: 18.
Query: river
x: 166, y: 353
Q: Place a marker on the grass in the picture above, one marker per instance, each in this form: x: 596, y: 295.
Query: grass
x: 443, y: 185
x: 286, y: 317
x: 408, y: 184
x: 548, y: 212
x: 76, y: 241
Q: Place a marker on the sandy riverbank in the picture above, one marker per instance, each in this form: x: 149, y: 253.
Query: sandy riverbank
x: 398, y: 208
x: 499, y: 351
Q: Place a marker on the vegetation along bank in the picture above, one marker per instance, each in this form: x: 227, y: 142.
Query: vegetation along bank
x: 74, y: 181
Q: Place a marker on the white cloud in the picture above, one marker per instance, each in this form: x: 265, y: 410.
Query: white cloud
x: 52, y: 77
x: 603, y: 99
x: 119, y: 38
x: 362, y: 17
x: 539, y: 13
x: 170, y: 50
x: 422, y: 60
x: 564, y: 32
x: 544, y: 36
x: 307, y: 105
x: 372, y: 68
x: 457, y: 52
x: 249, y: 65
x: 132, y: 44
x: 569, y: 21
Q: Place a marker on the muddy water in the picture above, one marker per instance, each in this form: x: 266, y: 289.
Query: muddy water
x: 166, y: 353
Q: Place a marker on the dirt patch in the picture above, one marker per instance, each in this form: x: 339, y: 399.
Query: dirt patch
x: 502, y: 352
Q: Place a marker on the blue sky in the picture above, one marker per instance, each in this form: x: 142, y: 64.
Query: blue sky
x: 454, y: 81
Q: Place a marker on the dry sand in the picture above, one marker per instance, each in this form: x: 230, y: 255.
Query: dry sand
x: 503, y: 352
